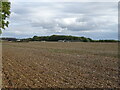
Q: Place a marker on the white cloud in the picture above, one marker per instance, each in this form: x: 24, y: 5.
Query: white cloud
x: 29, y: 19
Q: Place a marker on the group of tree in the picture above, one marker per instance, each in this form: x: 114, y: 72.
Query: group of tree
x: 64, y: 38
x: 8, y: 39
x: 58, y: 38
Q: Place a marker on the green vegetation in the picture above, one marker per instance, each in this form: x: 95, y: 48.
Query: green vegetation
x: 57, y: 38
x: 4, y: 14
x: 64, y: 38
x: 60, y: 38
x: 107, y: 40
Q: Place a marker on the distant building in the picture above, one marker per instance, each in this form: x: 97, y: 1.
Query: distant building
x: 43, y: 41
x: 61, y: 40
x: 18, y: 40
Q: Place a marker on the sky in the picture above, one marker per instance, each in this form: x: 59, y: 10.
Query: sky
x: 96, y: 20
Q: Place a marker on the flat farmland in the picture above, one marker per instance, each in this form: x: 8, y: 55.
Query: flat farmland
x: 59, y: 65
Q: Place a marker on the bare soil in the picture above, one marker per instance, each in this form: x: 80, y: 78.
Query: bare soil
x: 59, y: 65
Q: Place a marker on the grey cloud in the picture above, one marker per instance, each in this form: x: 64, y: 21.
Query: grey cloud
x: 48, y: 18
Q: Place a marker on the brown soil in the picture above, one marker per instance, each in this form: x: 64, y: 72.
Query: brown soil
x: 57, y: 64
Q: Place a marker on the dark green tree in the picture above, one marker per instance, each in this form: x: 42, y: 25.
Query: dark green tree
x: 4, y: 14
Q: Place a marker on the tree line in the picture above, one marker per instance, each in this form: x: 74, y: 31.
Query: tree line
x: 57, y: 38
x: 65, y: 38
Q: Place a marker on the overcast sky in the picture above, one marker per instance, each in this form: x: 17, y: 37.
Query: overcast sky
x: 96, y: 20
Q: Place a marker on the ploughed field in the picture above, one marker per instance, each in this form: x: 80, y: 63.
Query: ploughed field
x: 59, y: 65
